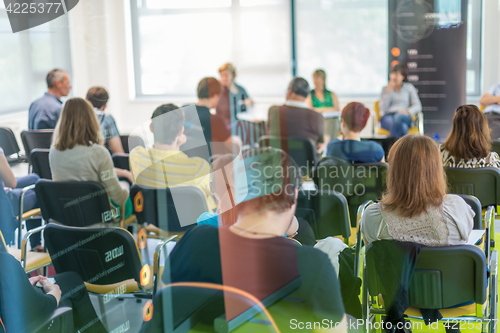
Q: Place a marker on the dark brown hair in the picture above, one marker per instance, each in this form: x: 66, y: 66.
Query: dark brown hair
x: 77, y: 125
x: 415, y: 177
x: 470, y: 135
x: 401, y: 68
x: 208, y: 87
x: 97, y: 96
x: 355, y: 116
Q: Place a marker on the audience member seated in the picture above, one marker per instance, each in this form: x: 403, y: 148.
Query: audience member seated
x: 45, y: 111
x: 78, y: 153
x: 13, y: 186
x: 213, y: 128
x: 23, y: 304
x: 415, y: 207
x: 98, y: 97
x: 469, y: 142
x: 353, y: 120
x: 222, y: 187
x: 165, y: 165
x: 322, y: 100
x: 252, y: 254
x: 398, y: 102
x: 233, y: 96
x: 492, y: 110
x: 295, y: 119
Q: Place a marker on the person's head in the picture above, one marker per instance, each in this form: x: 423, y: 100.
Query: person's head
x: 58, y: 82
x: 319, y: 79
x: 354, y: 117
x: 98, y: 97
x: 227, y: 74
x: 470, y: 135
x: 398, y: 74
x: 298, y: 89
x: 209, y: 88
x: 273, y: 180
x: 77, y: 125
x: 415, y: 177
x: 167, y: 124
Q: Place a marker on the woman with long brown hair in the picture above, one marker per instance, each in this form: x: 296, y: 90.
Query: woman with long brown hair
x: 78, y: 153
x: 469, y: 142
x: 415, y: 207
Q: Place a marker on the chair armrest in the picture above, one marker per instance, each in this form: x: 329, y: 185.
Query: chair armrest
x: 420, y: 122
x: 494, y: 263
x: 24, y: 243
x: 64, y: 313
x: 20, y: 216
x: 362, y: 208
x: 157, y: 257
x: 31, y: 213
x: 23, y: 192
x: 489, y: 221
x: 359, y: 239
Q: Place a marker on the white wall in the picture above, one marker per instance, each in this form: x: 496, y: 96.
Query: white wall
x: 101, y: 46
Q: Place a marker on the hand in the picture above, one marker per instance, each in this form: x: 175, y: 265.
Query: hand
x: 390, y: 86
x: 404, y: 112
x: 35, y: 279
x: 127, y: 174
x: 51, y: 289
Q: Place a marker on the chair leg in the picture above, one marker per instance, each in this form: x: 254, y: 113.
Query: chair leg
x: 102, y: 310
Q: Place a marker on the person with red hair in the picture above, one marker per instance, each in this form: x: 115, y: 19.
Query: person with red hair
x: 353, y: 120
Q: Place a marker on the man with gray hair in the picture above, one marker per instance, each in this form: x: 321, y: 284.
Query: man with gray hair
x: 45, y: 111
x: 294, y: 118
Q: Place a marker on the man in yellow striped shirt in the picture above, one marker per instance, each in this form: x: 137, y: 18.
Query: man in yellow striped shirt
x: 164, y: 165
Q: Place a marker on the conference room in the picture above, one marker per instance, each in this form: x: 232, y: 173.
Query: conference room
x: 249, y: 165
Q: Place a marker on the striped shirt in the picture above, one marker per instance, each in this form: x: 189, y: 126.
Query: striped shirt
x: 170, y: 168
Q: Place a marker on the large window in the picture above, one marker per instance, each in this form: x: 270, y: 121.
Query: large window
x: 178, y: 42
x: 27, y: 56
x: 348, y: 39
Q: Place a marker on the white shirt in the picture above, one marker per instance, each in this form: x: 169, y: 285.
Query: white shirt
x: 296, y: 104
x: 495, y: 91
x: 457, y: 214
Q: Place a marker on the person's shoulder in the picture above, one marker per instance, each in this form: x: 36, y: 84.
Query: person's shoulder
x: 457, y: 207
x: 374, y: 209
x: 409, y: 86
x: 496, y: 89
x: 310, y: 256
x: 494, y: 156
x: 240, y: 88
x: 96, y: 147
x: 335, y: 141
x: 201, y: 234
x: 138, y: 151
x: 373, y: 145
x: 333, y: 144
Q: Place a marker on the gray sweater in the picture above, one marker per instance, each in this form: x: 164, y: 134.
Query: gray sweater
x: 404, y: 99
x: 87, y: 163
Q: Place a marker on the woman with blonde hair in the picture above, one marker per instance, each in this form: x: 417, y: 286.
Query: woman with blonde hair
x: 233, y: 97
x: 78, y: 153
x: 469, y: 142
x: 415, y: 207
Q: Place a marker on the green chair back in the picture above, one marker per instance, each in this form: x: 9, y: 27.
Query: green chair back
x: 483, y: 183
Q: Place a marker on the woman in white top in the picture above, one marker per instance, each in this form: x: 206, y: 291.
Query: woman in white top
x: 78, y: 153
x: 415, y: 207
